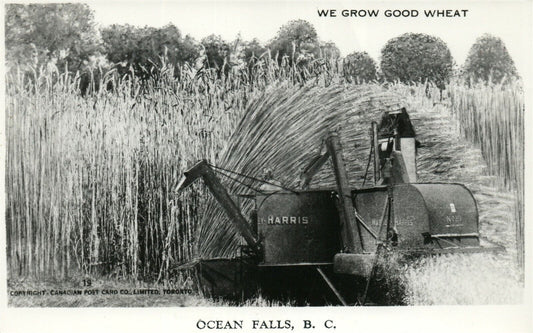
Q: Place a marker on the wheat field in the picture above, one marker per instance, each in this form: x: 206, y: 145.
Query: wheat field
x: 90, y: 180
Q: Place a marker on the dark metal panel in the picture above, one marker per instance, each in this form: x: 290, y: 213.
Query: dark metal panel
x: 353, y: 264
x: 298, y: 228
x: 411, y: 220
x: 370, y: 205
x: 425, y: 216
x: 230, y: 278
x: 451, y: 207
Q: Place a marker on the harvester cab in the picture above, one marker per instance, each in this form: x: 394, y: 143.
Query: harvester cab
x: 341, y: 231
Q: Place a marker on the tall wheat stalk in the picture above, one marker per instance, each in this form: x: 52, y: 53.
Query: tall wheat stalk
x: 91, y: 179
x: 492, y: 116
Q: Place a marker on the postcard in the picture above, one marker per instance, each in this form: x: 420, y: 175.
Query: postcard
x: 266, y: 166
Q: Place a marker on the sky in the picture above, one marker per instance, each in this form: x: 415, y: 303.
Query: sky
x: 509, y: 20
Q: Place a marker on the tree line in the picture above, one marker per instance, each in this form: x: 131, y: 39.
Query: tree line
x: 65, y: 37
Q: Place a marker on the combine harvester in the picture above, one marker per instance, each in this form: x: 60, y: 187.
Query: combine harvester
x: 314, y: 245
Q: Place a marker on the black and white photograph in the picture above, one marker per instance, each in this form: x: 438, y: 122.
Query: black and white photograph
x: 266, y: 166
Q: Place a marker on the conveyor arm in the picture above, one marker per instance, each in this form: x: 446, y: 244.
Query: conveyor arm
x: 202, y: 169
x: 350, y: 229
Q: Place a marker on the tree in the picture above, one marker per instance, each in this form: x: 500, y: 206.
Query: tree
x: 144, y: 48
x: 329, y: 50
x: 189, y: 49
x: 359, y: 67
x: 37, y: 34
x: 297, y: 40
x: 217, y: 51
x: 489, y: 61
x: 414, y: 57
x: 119, y: 43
